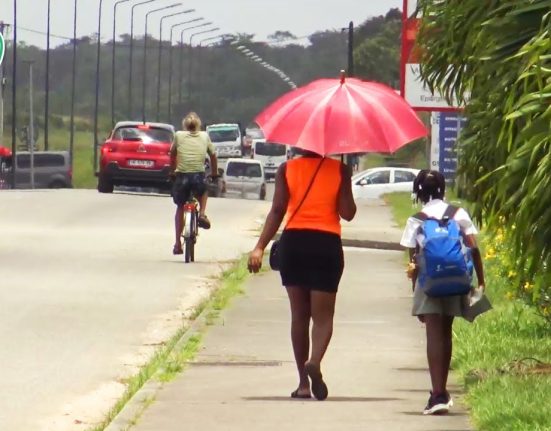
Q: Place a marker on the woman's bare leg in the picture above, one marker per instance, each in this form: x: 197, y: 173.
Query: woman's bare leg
x: 323, y: 310
x: 299, y: 300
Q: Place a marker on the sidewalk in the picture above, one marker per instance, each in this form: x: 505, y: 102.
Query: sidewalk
x: 375, y: 367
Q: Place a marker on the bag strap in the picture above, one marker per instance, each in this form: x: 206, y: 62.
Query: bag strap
x: 306, y: 193
x: 449, y: 213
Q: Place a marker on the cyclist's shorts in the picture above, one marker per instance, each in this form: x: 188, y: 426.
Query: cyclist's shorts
x: 187, y: 185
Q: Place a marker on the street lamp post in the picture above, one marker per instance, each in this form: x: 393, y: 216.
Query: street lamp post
x: 199, y: 62
x: 144, y: 86
x: 210, y: 30
x: 73, y: 86
x: 30, y: 133
x: 96, y: 107
x: 169, y: 116
x: 131, y: 68
x: 14, y: 96
x: 115, y: 6
x: 181, y: 68
x: 47, y: 84
x: 160, y: 56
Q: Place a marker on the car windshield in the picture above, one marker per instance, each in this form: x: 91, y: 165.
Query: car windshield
x: 222, y: 135
x: 146, y: 135
x: 237, y: 169
x: 270, y: 149
x: 255, y: 133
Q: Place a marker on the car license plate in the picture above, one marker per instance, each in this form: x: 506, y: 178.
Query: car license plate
x: 141, y: 163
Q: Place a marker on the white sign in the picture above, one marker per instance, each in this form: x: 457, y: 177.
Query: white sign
x: 418, y: 95
x: 414, y: 91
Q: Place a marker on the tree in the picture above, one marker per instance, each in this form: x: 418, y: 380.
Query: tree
x: 281, y: 36
x: 495, y: 57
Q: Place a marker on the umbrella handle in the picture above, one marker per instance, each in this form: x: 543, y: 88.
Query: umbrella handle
x: 343, y: 76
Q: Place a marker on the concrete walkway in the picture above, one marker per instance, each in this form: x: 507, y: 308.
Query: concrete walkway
x: 375, y: 367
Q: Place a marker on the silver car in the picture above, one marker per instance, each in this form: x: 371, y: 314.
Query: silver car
x: 244, y: 178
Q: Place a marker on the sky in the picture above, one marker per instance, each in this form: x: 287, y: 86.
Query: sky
x: 259, y: 17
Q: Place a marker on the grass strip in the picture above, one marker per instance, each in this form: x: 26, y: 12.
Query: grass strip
x: 171, y: 359
x: 503, y: 358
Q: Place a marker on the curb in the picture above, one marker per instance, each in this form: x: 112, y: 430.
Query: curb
x: 366, y: 243
x: 133, y: 409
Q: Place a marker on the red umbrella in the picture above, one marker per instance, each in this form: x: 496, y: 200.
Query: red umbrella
x: 340, y: 116
x: 4, y: 151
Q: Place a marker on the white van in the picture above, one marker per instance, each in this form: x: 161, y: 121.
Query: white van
x: 270, y: 154
x: 244, y: 177
x: 226, y: 138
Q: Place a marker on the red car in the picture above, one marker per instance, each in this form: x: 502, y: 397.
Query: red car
x: 136, y: 154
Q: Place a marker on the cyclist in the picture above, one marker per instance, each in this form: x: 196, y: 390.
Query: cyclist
x: 187, y: 162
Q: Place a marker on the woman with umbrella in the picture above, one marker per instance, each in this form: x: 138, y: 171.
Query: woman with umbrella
x: 314, y: 192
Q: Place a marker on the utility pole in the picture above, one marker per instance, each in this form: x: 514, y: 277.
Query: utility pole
x: 3, y: 31
x: 30, y: 135
x: 349, y: 157
x: 47, y: 83
x: 351, y: 49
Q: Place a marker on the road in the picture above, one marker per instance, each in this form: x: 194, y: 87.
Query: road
x: 89, y: 288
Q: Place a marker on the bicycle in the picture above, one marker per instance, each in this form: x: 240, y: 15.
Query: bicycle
x: 191, y: 224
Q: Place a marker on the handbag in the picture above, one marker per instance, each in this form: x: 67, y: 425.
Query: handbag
x: 274, y: 258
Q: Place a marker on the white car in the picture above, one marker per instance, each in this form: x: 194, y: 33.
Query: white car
x: 375, y: 182
x: 245, y: 177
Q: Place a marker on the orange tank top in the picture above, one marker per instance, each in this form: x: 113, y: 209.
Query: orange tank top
x: 319, y: 211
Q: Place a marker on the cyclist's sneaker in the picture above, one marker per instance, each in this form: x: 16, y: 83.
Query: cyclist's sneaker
x: 438, y: 404
x: 204, y: 222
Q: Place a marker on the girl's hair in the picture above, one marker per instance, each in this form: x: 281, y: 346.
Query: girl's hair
x: 192, y: 122
x: 429, y: 185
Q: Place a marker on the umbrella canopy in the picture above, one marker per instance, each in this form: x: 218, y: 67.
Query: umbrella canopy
x: 342, y: 116
x: 4, y: 151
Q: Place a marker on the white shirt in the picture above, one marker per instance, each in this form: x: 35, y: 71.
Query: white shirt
x: 436, y: 209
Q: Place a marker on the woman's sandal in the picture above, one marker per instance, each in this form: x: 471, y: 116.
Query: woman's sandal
x: 177, y: 250
x: 295, y: 394
x: 319, y: 388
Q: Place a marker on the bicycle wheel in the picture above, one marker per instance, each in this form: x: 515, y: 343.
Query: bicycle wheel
x: 189, y: 240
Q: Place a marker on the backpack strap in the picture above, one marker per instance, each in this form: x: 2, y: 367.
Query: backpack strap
x: 421, y: 216
x: 450, y: 212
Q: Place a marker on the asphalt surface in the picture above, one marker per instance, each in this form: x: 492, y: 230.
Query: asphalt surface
x: 90, y: 288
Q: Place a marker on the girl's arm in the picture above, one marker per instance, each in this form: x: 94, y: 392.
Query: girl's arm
x: 470, y: 241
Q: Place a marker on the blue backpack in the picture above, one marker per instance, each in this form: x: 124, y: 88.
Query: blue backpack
x: 445, y: 263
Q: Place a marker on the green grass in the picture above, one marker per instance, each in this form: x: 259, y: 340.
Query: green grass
x: 172, y: 358
x: 497, y: 357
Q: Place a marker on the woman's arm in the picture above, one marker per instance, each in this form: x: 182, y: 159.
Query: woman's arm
x: 273, y: 219
x: 346, y: 204
x: 470, y: 241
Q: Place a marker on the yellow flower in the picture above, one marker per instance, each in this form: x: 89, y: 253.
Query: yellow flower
x: 546, y: 311
x: 512, y: 274
x: 490, y: 253
x: 527, y: 286
x: 509, y: 295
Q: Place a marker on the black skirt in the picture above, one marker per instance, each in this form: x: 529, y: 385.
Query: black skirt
x: 311, y: 259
